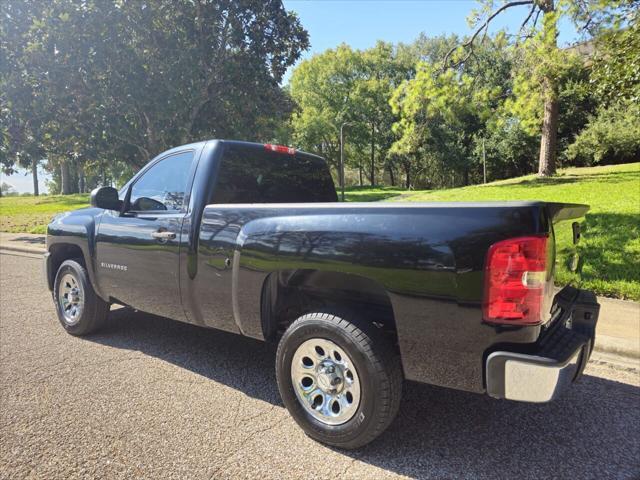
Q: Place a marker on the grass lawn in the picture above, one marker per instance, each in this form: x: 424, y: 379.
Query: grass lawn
x: 369, y: 194
x: 610, y: 247
x: 32, y: 214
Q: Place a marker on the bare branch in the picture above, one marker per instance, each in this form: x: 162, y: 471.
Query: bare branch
x: 484, y: 35
x: 587, y: 25
x: 483, y: 27
x: 526, y: 20
x: 529, y: 34
x: 535, y: 20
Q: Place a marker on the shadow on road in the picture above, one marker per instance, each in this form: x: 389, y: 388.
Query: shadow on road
x: 40, y: 240
x: 438, y: 431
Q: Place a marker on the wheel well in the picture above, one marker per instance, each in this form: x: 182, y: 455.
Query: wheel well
x: 289, y: 294
x: 60, y: 253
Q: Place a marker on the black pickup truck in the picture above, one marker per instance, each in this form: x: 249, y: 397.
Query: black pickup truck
x: 251, y: 239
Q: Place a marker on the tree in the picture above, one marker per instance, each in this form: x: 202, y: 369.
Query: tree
x: 443, y: 115
x: 612, y: 133
x: 126, y: 80
x: 589, y: 15
x: 22, y: 114
x: 382, y: 70
x: 322, y: 88
x: 204, y: 68
x: 353, y: 86
x: 440, y: 112
x: 615, y: 71
x: 508, y: 148
x: 6, y: 189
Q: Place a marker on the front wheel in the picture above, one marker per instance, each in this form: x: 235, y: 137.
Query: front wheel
x: 340, y: 379
x: 79, y: 309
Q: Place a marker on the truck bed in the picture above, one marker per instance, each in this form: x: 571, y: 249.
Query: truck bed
x: 425, y: 259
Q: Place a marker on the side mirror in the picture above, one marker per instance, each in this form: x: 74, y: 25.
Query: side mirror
x: 106, y: 197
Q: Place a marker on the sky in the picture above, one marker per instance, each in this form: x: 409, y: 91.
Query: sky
x: 22, y: 181
x: 360, y: 23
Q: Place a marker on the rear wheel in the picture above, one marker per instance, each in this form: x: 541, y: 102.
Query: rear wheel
x: 339, y: 378
x: 79, y: 309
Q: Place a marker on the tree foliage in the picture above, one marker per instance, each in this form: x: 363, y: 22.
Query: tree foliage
x: 545, y: 61
x: 611, y: 133
x: 438, y: 124
x: 443, y: 114
x: 322, y: 87
x: 346, y: 86
x: 611, y: 136
x: 615, y: 72
x: 155, y: 75
x: 439, y: 115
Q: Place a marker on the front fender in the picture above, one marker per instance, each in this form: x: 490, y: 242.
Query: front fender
x: 73, y: 232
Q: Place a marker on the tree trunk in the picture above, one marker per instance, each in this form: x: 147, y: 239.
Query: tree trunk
x: 360, y: 171
x: 392, y: 176
x: 65, y: 178
x: 34, y: 174
x: 81, y: 180
x: 407, y: 171
x: 372, y: 177
x: 547, y: 161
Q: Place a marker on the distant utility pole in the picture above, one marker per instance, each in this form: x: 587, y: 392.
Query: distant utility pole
x: 484, y: 162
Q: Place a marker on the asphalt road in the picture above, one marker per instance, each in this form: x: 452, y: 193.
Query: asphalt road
x: 152, y: 398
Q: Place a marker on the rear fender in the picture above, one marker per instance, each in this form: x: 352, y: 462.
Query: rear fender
x: 260, y: 253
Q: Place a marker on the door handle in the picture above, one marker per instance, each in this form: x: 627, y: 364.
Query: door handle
x: 163, y: 235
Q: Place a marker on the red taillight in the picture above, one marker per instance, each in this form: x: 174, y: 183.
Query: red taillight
x: 515, y: 278
x: 280, y: 148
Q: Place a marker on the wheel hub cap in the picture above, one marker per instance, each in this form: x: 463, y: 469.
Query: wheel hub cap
x: 330, y: 377
x: 325, y: 381
x: 70, y: 298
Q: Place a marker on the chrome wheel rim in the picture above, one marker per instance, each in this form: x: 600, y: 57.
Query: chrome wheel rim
x: 70, y: 298
x: 325, y: 381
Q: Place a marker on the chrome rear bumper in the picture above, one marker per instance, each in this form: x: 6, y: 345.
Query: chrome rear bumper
x: 529, y: 378
x: 556, y: 361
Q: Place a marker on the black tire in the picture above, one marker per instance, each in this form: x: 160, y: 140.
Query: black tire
x: 378, y: 368
x: 94, y: 310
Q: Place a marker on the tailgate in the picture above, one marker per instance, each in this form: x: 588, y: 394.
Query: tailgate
x: 566, y: 211
x: 564, y: 252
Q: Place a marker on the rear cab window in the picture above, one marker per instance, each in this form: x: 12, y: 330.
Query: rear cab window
x: 254, y: 174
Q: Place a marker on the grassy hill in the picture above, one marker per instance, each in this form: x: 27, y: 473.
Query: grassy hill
x: 32, y: 214
x: 610, y: 248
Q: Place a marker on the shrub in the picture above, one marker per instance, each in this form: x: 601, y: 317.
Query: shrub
x: 611, y: 136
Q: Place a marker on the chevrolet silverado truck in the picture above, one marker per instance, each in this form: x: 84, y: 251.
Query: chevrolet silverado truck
x: 251, y: 239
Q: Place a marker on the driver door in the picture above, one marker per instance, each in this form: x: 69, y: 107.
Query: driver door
x: 138, y: 251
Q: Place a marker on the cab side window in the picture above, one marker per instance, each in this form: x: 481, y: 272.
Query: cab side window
x: 163, y: 187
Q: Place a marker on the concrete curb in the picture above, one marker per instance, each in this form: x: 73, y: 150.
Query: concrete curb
x: 23, y: 249
x: 617, y: 346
